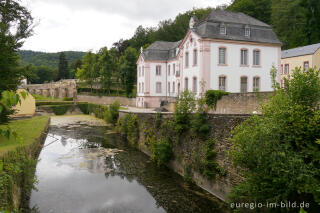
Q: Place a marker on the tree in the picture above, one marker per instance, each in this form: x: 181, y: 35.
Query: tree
x: 105, y: 69
x: 16, y: 25
x: 120, y: 46
x: 260, y: 10
x: 45, y: 75
x: 278, y: 152
x: 63, y: 67
x: 74, y: 67
x: 129, y: 70
x: 89, y: 72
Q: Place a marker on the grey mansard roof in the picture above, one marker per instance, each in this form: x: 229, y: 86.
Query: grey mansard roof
x: 235, y: 24
x: 306, y: 50
x: 161, y: 50
x: 210, y: 28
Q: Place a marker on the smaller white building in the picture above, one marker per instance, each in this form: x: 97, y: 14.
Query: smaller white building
x: 225, y: 51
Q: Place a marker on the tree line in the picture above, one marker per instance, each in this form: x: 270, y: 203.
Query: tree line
x: 109, y: 70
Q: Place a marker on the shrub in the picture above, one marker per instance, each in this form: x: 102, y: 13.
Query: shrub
x: 60, y: 109
x: 209, y: 166
x: 83, y: 107
x: 183, y: 109
x: 128, y: 126
x: 161, y: 151
x: 133, y: 129
x: 97, y: 110
x: 111, y: 115
x: 212, y: 97
x: 279, y: 150
x: 42, y: 103
x: 67, y: 99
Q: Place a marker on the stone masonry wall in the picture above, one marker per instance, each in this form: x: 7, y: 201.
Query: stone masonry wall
x: 241, y: 103
x: 188, y: 148
x: 107, y: 100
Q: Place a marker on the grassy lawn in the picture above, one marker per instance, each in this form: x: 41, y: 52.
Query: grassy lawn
x: 28, y: 130
x: 123, y: 108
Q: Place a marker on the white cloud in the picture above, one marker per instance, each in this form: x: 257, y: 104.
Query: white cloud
x: 92, y: 24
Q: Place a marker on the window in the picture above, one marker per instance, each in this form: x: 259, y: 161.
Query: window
x: 168, y: 69
x: 158, y: 70
x: 305, y: 65
x: 187, y: 59
x: 169, y: 87
x: 223, y: 29
x: 195, y: 85
x: 139, y: 87
x: 186, y: 82
x: 247, y: 32
x: 244, y: 57
x: 286, y: 69
x: 281, y: 72
x: 256, y: 84
x: 222, y: 83
x: 142, y: 87
x: 244, y: 84
x: 139, y: 71
x: 158, y: 87
x: 174, y: 69
x: 173, y: 87
x: 142, y: 70
x: 195, y: 57
x: 222, y: 55
x: 256, y: 57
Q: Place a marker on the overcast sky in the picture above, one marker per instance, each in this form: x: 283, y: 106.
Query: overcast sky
x: 84, y: 25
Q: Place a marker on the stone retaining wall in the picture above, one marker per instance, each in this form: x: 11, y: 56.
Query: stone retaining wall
x: 221, y: 127
x: 107, y: 100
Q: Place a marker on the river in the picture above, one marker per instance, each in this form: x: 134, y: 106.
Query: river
x: 84, y: 167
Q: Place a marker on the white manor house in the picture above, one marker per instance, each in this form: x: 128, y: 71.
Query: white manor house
x: 226, y: 51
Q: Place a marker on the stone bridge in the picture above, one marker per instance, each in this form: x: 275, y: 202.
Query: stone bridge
x: 59, y: 89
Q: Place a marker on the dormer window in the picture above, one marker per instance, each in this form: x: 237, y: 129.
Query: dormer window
x: 247, y: 31
x: 223, y: 29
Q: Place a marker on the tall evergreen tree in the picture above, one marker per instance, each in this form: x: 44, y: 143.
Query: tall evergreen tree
x: 63, y: 67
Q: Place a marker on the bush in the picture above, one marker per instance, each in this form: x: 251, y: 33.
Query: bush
x: 17, y: 169
x: 128, y: 126
x: 212, y: 97
x: 60, y: 109
x: 97, y: 110
x: 42, y: 103
x: 111, y: 115
x: 185, y: 106
x: 209, y: 166
x: 279, y: 150
x: 161, y: 151
x: 83, y: 107
x: 67, y: 99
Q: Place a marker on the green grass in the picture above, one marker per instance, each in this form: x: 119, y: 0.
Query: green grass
x: 28, y: 130
x: 42, y: 98
x: 123, y: 108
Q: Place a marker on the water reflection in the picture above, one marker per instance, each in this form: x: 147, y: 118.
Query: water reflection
x: 82, y: 169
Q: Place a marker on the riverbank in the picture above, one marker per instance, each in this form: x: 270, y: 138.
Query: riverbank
x: 18, y: 160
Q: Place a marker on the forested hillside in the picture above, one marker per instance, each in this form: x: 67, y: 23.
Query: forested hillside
x: 50, y: 60
x: 296, y: 22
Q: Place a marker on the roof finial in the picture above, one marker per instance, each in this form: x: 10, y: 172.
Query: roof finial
x: 141, y: 49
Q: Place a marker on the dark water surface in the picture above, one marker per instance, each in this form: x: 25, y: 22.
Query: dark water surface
x: 84, y: 169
